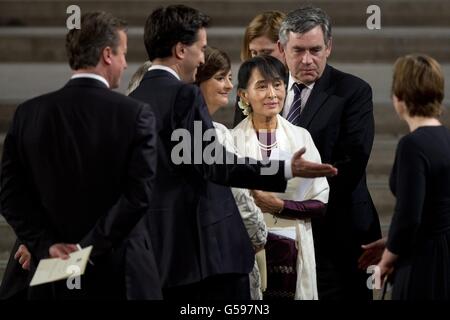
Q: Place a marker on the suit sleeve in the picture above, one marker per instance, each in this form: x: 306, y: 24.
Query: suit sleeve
x: 19, y: 199
x: 410, y: 184
x: 211, y: 160
x: 138, y: 186
x: 355, y: 143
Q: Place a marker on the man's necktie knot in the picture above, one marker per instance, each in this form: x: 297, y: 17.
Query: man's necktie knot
x: 294, y: 111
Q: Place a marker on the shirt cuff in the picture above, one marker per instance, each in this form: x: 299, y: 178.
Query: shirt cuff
x: 288, y: 169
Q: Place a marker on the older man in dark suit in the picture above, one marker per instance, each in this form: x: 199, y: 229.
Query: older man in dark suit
x: 201, y: 246
x: 78, y: 169
x: 337, y: 110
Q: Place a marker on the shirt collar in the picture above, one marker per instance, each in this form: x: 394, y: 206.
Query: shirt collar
x: 90, y: 75
x: 292, y: 81
x: 165, y: 68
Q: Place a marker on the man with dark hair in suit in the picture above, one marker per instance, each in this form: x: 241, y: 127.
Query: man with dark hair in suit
x: 78, y: 169
x: 336, y: 108
x: 201, y: 246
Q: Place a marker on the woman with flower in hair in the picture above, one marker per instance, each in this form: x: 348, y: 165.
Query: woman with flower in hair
x: 264, y: 134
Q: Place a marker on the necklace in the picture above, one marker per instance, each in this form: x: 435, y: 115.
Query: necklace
x: 264, y: 146
x: 267, y: 146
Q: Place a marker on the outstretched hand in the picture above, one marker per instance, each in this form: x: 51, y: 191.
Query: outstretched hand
x: 306, y: 169
x: 372, y: 253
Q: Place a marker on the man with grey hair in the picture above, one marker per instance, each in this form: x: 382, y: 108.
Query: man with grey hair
x: 336, y: 108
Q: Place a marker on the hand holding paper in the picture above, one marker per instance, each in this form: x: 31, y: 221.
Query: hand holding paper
x: 55, y: 269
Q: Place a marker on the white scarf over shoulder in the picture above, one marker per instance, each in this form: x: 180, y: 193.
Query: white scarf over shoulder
x: 289, y: 139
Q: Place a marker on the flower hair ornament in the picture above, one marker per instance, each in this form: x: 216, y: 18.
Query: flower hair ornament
x: 246, y: 109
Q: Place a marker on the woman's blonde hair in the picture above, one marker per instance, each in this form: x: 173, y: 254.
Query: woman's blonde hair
x: 265, y: 24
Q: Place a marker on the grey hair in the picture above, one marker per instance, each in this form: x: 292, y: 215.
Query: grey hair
x: 303, y: 20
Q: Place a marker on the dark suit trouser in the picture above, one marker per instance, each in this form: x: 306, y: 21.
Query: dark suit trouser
x: 218, y: 287
x: 338, y: 276
x: 338, y: 281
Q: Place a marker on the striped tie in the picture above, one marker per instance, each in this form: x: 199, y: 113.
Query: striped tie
x: 294, y: 113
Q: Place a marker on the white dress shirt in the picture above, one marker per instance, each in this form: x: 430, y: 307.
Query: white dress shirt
x: 90, y: 75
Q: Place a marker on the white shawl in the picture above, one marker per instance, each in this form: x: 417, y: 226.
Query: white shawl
x: 290, y: 138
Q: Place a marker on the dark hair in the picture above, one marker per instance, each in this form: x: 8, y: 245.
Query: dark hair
x: 85, y: 45
x: 303, y: 20
x: 165, y: 27
x: 418, y: 80
x: 215, y: 60
x: 270, y: 68
x: 264, y: 24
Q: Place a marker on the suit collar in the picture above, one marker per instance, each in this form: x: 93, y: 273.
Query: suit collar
x: 159, y: 73
x: 165, y: 68
x: 86, y: 82
x: 91, y: 76
x: 317, y: 98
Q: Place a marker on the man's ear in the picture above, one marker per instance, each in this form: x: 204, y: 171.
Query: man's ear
x: 179, y: 50
x: 106, y: 55
x: 280, y: 47
x: 329, y: 46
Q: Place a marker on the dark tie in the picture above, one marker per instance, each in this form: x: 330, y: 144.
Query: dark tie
x: 294, y: 113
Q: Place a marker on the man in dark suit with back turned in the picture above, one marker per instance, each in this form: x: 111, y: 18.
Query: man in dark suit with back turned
x: 78, y: 169
x: 336, y: 108
x: 201, y: 246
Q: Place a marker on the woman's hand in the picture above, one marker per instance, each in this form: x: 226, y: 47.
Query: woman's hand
x: 386, y: 264
x: 267, y: 201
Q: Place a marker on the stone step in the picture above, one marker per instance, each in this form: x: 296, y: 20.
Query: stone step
x: 3, y: 264
x: 46, y: 44
x: 386, y: 120
x: 383, y: 155
x: 382, y: 198
x: 230, y: 12
x: 22, y: 81
x: 7, y: 239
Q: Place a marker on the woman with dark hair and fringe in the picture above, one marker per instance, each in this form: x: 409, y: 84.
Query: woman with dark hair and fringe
x: 263, y: 135
x: 261, y: 38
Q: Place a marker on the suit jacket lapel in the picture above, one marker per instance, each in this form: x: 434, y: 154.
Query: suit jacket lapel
x: 317, y: 98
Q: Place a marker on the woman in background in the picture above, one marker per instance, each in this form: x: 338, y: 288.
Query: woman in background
x: 261, y: 38
x: 418, y: 243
